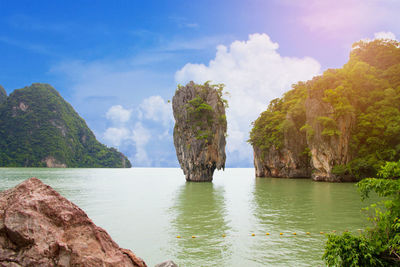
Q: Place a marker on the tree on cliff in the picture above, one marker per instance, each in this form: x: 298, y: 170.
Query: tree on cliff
x: 380, y: 244
x: 349, y: 115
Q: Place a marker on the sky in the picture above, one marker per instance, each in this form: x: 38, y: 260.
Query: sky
x: 119, y: 62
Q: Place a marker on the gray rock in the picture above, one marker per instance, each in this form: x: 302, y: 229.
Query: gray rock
x: 200, y: 131
x: 309, y: 153
x: 328, y: 151
x: 168, y: 263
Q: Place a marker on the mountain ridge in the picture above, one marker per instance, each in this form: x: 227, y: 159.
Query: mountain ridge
x: 38, y: 128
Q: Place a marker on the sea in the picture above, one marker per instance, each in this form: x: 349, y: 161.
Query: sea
x: 236, y: 220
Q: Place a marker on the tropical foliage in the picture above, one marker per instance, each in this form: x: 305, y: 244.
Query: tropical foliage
x: 380, y: 244
x: 366, y: 88
x: 202, y: 114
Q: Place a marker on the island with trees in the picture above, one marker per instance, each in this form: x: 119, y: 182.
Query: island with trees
x: 340, y: 126
x: 200, y: 129
x: 38, y: 128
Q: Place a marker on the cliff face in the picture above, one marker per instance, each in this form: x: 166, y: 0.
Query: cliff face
x: 330, y: 139
x: 292, y: 160
x: 200, y: 130
x: 339, y: 126
x: 38, y: 128
x: 309, y: 147
x: 39, y: 227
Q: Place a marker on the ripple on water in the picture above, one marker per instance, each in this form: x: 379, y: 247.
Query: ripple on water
x: 144, y: 209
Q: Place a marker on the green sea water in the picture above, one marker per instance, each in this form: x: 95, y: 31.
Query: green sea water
x: 145, y: 209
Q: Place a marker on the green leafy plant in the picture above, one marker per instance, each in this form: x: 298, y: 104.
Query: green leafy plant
x: 202, y: 115
x: 380, y: 244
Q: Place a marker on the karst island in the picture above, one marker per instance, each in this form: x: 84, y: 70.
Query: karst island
x: 200, y: 130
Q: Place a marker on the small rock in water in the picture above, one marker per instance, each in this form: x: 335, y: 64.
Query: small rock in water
x: 168, y: 263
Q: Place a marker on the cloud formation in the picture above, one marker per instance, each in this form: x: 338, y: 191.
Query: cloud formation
x: 143, y: 134
x: 385, y: 35
x: 254, y: 73
x: 114, y: 136
x: 156, y: 109
x: 118, y: 114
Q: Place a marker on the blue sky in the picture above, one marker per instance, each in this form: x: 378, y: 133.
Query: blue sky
x: 118, y: 62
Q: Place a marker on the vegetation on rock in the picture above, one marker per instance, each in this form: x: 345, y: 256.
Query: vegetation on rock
x: 269, y: 128
x: 380, y: 244
x: 200, y: 112
x: 200, y: 129
x: 364, y: 93
x: 38, y: 128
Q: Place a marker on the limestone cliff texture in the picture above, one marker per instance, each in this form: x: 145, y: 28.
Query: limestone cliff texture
x: 339, y: 126
x: 291, y: 160
x: 329, y: 142
x: 200, y: 130
x: 39, y: 227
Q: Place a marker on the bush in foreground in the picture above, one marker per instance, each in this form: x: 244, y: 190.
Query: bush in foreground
x: 380, y: 244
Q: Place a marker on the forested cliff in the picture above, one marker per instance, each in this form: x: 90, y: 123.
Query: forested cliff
x: 38, y: 128
x: 339, y: 126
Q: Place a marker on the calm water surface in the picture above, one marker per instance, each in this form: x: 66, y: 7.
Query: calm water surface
x: 144, y: 209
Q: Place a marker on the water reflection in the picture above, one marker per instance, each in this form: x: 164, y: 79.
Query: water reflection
x: 145, y: 209
x: 200, y: 210
x: 300, y: 206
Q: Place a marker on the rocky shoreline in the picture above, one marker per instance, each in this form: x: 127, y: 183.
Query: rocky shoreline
x: 39, y: 227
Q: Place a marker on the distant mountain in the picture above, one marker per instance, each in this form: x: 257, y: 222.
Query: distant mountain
x: 38, y: 128
x: 3, y: 94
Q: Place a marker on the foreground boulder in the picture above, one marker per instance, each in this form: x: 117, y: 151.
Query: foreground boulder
x: 200, y: 130
x: 39, y: 227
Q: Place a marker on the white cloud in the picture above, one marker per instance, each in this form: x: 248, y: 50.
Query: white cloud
x: 381, y: 35
x: 254, y: 73
x: 118, y: 114
x: 138, y: 136
x: 156, y: 109
x: 385, y: 35
x: 115, y: 136
x: 141, y: 136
